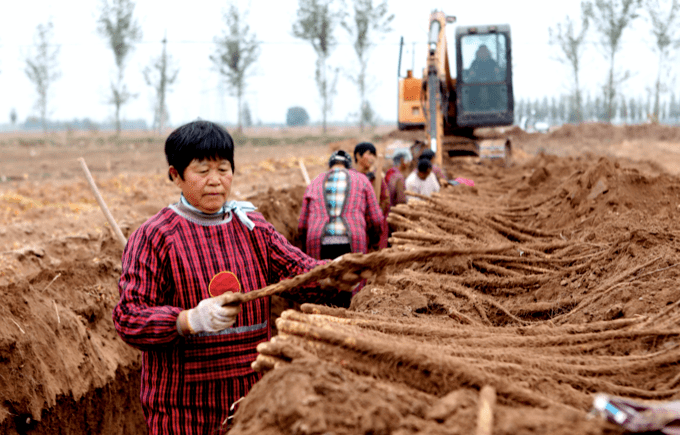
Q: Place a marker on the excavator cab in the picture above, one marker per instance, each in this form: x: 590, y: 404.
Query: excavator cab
x: 484, y: 71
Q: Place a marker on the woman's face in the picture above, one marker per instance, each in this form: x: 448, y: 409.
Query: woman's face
x: 365, y: 162
x: 206, y: 184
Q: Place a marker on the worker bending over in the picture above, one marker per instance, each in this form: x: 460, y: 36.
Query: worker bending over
x: 422, y: 180
x: 339, y: 214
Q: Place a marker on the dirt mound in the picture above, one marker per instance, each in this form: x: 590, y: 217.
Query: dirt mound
x: 59, y: 347
x: 578, y: 190
x: 281, y: 207
x: 608, y: 132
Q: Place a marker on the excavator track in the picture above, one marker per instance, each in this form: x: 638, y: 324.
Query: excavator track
x: 496, y: 149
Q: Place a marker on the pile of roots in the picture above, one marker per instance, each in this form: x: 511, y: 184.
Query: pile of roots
x: 536, y: 368
x: 481, y: 318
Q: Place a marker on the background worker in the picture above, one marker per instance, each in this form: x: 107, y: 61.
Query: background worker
x: 196, y: 353
x: 340, y: 215
x: 365, y: 155
x: 339, y: 212
x: 439, y: 173
x: 395, y: 179
x: 422, y: 180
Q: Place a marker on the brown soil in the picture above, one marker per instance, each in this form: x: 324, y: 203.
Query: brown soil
x: 555, y: 279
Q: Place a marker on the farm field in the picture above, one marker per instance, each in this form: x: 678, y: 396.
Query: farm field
x: 552, y: 279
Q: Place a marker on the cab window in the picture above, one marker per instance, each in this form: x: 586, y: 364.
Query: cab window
x: 484, y: 58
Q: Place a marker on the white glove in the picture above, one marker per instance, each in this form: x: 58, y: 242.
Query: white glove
x: 210, y: 316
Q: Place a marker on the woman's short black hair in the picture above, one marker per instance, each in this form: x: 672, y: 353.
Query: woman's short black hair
x: 198, y: 140
x: 363, y: 147
x: 424, y: 165
x: 427, y: 154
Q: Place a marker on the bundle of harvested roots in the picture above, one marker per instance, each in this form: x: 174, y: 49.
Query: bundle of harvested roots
x: 352, y: 267
x: 520, y: 363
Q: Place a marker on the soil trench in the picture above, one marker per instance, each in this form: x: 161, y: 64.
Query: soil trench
x: 552, y: 279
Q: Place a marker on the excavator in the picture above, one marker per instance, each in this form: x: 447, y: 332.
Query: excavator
x: 461, y: 115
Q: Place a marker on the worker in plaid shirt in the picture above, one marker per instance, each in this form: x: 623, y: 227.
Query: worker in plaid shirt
x: 196, y: 353
x: 339, y: 212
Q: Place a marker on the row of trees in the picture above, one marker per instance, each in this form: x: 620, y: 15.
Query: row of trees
x: 117, y: 25
x: 236, y: 51
x: 609, y: 19
x: 365, y: 22
x: 557, y: 110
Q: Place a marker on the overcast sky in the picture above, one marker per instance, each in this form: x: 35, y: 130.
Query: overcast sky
x: 284, y: 74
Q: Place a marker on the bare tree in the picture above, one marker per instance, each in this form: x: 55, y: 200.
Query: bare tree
x: 236, y: 51
x: 665, y: 20
x: 571, y: 44
x: 247, y: 115
x: 611, y: 17
x: 366, y: 22
x: 117, y: 25
x: 316, y: 22
x: 42, y: 68
x: 161, y: 74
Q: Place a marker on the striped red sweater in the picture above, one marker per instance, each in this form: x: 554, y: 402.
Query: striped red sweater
x: 360, y: 213
x: 189, y: 383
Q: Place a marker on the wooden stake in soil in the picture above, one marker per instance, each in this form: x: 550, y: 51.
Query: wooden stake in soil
x: 56, y: 310
x: 18, y: 326
x: 53, y: 279
x: 487, y: 400
x: 303, y: 169
x: 377, y: 182
x: 102, y: 204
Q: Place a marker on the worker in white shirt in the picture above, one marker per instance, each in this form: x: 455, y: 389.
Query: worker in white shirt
x: 422, y: 180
